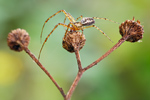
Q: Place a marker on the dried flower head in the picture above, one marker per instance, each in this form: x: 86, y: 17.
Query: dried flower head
x: 73, y: 40
x: 132, y: 28
x: 18, y: 38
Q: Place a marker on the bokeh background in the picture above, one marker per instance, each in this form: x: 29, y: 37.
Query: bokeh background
x: 123, y: 75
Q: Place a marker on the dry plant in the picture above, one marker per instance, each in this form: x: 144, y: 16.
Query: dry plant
x: 73, y: 41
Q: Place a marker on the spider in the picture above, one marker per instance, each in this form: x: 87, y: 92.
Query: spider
x: 86, y: 22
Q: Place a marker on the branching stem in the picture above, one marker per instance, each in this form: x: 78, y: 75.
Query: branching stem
x: 82, y: 70
x: 107, y: 53
x: 78, y: 77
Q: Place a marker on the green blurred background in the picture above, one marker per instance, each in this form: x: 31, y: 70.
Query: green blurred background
x: 123, y: 75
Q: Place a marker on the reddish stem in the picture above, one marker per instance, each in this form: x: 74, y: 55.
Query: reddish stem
x: 78, y: 59
x: 73, y: 86
x: 78, y: 77
x: 44, y: 69
x: 107, y: 53
x: 82, y: 70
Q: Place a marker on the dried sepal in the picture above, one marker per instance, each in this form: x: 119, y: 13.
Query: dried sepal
x: 18, y: 38
x: 133, y: 29
x: 73, y: 40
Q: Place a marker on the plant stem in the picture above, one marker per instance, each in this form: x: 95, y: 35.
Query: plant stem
x: 44, y: 69
x: 82, y: 70
x: 78, y: 59
x: 73, y: 86
x: 78, y: 77
x: 107, y: 53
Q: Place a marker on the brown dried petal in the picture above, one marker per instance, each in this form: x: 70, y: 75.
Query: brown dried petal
x: 17, y: 38
x: 73, y: 40
x: 132, y: 28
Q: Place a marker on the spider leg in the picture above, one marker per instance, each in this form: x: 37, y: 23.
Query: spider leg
x: 105, y: 19
x: 49, y: 36
x: 99, y: 30
x: 65, y: 21
x: 68, y: 26
x: 79, y: 17
x: 82, y: 31
x: 72, y: 28
x: 71, y: 19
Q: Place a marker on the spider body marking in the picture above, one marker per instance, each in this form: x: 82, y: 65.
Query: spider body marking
x: 86, y: 22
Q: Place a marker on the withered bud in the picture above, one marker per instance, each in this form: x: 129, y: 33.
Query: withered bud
x: 18, y: 38
x: 133, y: 29
x: 73, y: 40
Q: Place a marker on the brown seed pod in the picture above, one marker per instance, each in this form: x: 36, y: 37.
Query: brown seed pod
x: 18, y: 38
x: 73, y: 40
x: 132, y: 28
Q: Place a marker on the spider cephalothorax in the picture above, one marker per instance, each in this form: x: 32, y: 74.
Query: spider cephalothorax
x: 78, y: 25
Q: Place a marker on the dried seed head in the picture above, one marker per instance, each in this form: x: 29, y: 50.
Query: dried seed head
x: 73, y: 40
x: 132, y: 28
x: 18, y: 38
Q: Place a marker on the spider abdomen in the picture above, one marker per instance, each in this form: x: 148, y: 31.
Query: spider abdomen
x: 87, y: 21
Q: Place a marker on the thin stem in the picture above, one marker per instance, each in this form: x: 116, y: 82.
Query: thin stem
x: 44, y: 69
x: 78, y: 77
x: 78, y: 59
x: 82, y: 70
x: 107, y: 53
x: 73, y: 86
